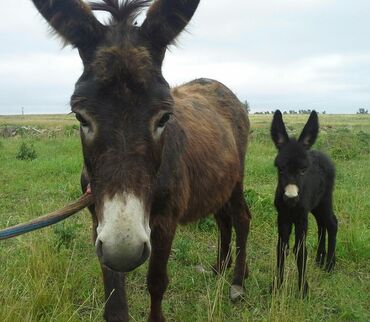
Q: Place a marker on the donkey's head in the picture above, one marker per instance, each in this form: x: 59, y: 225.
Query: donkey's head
x: 292, y: 161
x: 123, y: 104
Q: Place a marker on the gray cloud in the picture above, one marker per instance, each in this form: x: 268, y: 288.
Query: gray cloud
x: 276, y: 54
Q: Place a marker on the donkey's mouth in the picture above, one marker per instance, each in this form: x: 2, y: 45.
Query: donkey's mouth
x: 291, y: 202
x: 123, y: 235
x: 125, y: 264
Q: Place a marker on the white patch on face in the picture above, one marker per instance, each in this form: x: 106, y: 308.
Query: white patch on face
x: 88, y: 131
x: 291, y: 191
x: 125, y: 227
x: 158, y: 132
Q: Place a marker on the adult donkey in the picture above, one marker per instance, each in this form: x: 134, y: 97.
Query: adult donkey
x: 154, y: 157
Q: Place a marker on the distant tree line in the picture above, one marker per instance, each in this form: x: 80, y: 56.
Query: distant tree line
x: 362, y: 111
x: 301, y: 111
x: 291, y: 112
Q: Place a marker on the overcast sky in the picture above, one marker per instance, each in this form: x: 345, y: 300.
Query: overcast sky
x: 287, y: 54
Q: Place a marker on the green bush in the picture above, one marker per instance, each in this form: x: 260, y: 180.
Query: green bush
x: 66, y: 234
x: 26, y: 152
x: 206, y: 224
x: 71, y: 130
x: 344, y: 144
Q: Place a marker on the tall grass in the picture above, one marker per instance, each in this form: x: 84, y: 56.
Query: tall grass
x: 53, y: 274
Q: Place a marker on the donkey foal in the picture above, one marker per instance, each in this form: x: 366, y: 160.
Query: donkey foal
x: 305, y: 184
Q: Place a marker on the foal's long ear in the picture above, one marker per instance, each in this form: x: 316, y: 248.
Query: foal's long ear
x: 278, y: 130
x: 166, y: 19
x: 310, y: 131
x: 72, y: 20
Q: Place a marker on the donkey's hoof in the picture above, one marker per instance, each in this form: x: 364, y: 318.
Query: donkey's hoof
x: 200, y: 269
x: 236, y: 292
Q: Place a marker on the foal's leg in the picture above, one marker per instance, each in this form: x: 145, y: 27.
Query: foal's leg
x: 321, y: 237
x: 332, y: 226
x: 240, y: 215
x: 300, y: 252
x: 284, y: 229
x: 223, y: 220
x: 326, y: 216
x: 116, y: 309
x: 161, y: 239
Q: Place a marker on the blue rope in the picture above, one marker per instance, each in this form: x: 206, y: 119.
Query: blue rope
x: 47, y: 220
x: 26, y: 228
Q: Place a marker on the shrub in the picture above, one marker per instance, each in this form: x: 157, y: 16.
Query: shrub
x: 344, y: 144
x: 71, y: 130
x: 26, y: 152
x: 206, y: 224
x: 66, y: 234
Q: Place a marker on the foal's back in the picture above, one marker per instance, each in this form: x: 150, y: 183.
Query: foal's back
x: 321, y: 177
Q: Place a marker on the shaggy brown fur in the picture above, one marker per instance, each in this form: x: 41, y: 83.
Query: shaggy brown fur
x: 194, y: 168
x: 72, y: 20
x: 128, y: 66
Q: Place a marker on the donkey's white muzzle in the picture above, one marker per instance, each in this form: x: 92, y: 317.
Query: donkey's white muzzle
x: 123, y: 241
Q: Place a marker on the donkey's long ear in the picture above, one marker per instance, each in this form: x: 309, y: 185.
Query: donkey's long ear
x: 310, y: 131
x: 278, y: 130
x: 72, y: 20
x: 166, y: 19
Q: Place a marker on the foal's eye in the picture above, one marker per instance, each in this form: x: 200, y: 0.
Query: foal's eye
x: 303, y: 171
x: 164, y: 119
x: 82, y: 121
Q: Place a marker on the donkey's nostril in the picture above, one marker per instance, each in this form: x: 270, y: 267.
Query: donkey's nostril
x: 146, y: 252
x: 99, y: 248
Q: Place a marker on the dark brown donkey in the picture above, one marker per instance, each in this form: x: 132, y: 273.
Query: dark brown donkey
x: 154, y: 157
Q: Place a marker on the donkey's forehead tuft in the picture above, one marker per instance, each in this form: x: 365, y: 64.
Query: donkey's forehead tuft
x: 127, y: 66
x: 121, y: 11
x: 291, y: 154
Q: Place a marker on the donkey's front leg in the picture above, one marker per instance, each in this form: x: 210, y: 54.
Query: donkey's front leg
x: 300, y: 252
x: 116, y: 309
x: 157, y: 279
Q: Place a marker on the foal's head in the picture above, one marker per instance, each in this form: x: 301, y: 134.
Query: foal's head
x: 292, y: 161
x: 123, y: 104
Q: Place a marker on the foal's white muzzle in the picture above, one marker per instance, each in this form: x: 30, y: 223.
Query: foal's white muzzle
x: 123, y: 241
x: 291, y: 191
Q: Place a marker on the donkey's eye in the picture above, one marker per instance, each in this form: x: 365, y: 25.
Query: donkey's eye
x: 82, y: 121
x: 164, y: 119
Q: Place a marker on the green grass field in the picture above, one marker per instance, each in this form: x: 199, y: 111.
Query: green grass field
x: 53, y: 274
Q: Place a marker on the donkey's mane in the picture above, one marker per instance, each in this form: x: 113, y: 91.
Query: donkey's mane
x: 125, y: 10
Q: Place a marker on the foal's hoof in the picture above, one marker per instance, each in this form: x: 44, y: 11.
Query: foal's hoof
x: 330, y: 265
x: 274, y: 287
x: 320, y: 260
x: 156, y: 318
x: 304, y: 291
x: 236, y: 292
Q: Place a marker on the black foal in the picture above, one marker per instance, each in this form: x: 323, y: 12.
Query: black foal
x: 305, y: 184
